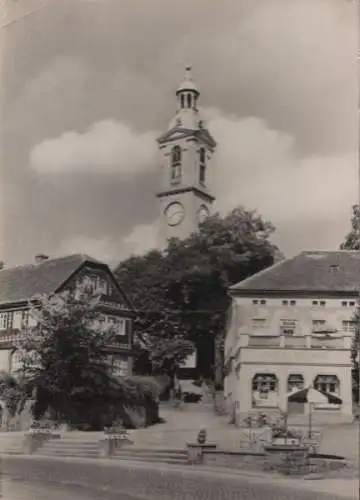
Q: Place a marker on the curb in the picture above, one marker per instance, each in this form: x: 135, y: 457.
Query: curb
x: 298, y: 484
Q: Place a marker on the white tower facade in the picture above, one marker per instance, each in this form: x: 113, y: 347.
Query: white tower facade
x: 187, y: 149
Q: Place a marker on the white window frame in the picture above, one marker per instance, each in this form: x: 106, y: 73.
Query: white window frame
x: 288, y: 327
x: 258, y: 324
x: 17, y: 320
x: 120, y: 366
x: 326, y: 382
x: 15, y: 362
x: 348, y: 326
x: 318, y: 323
x: 4, y: 320
x: 295, y: 381
x: 264, y: 384
x: 117, y: 321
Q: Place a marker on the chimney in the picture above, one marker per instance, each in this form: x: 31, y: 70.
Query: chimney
x: 41, y: 258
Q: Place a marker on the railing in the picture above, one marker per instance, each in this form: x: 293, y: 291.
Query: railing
x: 293, y: 341
x: 327, y: 343
x: 264, y: 341
x: 8, y: 337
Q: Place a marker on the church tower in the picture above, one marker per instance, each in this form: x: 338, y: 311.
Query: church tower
x: 187, y: 150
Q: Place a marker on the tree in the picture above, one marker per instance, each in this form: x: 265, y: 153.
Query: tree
x: 181, y: 293
x: 64, y: 361
x: 12, y: 393
x: 355, y: 352
x: 352, y: 240
x: 158, y: 331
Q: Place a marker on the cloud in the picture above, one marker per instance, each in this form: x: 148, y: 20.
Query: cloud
x: 99, y: 248
x: 138, y: 241
x: 107, y: 146
x: 259, y: 167
x: 282, y: 75
x: 142, y: 238
x: 292, y: 63
x: 307, y: 198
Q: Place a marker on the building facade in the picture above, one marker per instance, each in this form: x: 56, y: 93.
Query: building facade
x: 291, y: 326
x: 48, y: 276
x: 186, y: 149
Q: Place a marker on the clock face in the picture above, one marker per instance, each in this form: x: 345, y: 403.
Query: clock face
x: 203, y: 213
x: 175, y: 213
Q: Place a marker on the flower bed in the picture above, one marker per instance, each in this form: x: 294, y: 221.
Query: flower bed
x: 282, y: 463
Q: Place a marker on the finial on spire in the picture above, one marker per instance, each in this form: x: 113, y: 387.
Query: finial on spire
x: 188, y: 83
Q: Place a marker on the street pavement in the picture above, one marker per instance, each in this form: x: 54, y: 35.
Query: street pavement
x: 41, y: 479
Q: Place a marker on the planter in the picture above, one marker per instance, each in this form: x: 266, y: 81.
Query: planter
x: 196, y: 451
x: 281, y: 441
x: 287, y: 459
x: 35, y: 439
x: 111, y: 443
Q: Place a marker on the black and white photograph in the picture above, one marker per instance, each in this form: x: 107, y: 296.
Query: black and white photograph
x: 179, y: 250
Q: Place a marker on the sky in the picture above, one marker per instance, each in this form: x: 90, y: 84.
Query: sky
x: 88, y: 85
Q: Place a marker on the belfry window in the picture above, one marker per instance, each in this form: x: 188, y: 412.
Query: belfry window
x: 202, y: 171
x: 189, y: 101
x: 182, y: 101
x: 175, y: 165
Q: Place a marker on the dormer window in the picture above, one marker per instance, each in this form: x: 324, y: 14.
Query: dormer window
x: 175, y: 165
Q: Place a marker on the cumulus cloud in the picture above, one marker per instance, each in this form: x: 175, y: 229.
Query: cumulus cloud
x: 292, y: 63
x: 260, y: 167
x: 107, y: 146
x: 142, y: 238
x: 281, y: 73
x: 139, y: 240
x: 99, y: 248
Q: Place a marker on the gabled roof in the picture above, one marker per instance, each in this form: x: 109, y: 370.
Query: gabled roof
x: 311, y: 271
x: 20, y: 283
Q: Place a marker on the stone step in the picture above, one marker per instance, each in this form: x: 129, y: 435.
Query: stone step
x: 68, y: 453
x: 151, y: 459
x: 63, y: 443
x: 152, y: 452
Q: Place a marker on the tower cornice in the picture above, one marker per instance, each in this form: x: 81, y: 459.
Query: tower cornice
x: 177, y: 133
x: 187, y: 189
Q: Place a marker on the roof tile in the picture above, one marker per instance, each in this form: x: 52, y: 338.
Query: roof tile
x: 23, y: 282
x: 312, y: 271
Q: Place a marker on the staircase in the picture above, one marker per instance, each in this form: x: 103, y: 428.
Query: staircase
x: 158, y: 455
x: 69, y: 448
x: 90, y: 449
